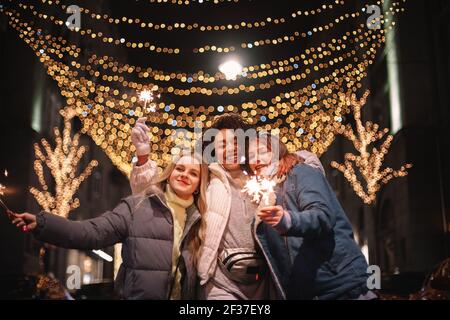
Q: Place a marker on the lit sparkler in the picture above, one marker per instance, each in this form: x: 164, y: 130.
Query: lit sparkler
x: 2, y: 193
x: 147, y: 96
x: 259, y: 189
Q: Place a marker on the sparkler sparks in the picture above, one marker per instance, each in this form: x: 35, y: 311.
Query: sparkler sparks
x: 259, y: 189
x: 147, y: 96
x: 2, y: 193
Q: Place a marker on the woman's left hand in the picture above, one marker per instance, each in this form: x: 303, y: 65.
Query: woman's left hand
x: 271, y: 215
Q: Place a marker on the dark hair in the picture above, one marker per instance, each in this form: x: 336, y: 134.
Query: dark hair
x: 230, y: 121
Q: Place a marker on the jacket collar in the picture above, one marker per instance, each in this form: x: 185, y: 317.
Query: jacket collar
x: 192, y: 213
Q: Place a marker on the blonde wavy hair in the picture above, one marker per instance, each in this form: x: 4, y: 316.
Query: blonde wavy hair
x: 158, y: 187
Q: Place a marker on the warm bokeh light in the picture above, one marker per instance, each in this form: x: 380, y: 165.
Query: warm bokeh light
x: 369, y: 160
x: 303, y: 106
x: 231, y: 69
x: 62, y: 161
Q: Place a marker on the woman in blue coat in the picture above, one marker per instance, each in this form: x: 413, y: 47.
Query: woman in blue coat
x: 306, y: 235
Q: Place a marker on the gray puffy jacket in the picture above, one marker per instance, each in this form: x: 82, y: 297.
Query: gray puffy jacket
x: 145, y: 228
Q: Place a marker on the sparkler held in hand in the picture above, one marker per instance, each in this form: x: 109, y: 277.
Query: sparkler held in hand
x: 260, y: 189
x: 147, y: 96
x: 2, y: 193
x: 4, y: 205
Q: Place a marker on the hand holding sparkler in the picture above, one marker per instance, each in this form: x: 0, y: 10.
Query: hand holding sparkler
x: 271, y: 215
x: 140, y: 138
x: 11, y: 215
x: 262, y: 191
x: 25, y: 221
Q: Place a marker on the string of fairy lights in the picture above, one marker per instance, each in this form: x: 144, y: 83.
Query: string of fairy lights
x: 219, y: 91
x: 294, y: 36
x: 251, y: 72
x: 304, y: 106
x: 201, y: 76
x: 297, y: 77
x: 174, y: 26
x: 190, y: 2
x: 204, y: 49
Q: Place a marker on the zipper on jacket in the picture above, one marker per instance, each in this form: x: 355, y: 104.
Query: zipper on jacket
x: 274, y: 276
x: 286, y: 242
x: 172, y: 279
x: 180, y: 249
x: 174, y: 274
x: 171, y: 275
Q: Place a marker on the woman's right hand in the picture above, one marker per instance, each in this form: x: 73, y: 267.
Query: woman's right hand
x: 140, y: 138
x: 25, y: 221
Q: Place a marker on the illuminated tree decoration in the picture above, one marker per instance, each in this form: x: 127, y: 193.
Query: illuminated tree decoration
x: 62, y: 161
x: 367, y: 164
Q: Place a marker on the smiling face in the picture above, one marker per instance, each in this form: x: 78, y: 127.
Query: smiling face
x: 226, y: 148
x: 185, y: 177
x: 260, y: 155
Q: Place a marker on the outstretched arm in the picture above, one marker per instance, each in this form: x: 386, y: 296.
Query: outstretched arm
x: 103, y: 231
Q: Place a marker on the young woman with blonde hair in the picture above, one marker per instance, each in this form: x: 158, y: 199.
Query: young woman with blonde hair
x: 160, y: 228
